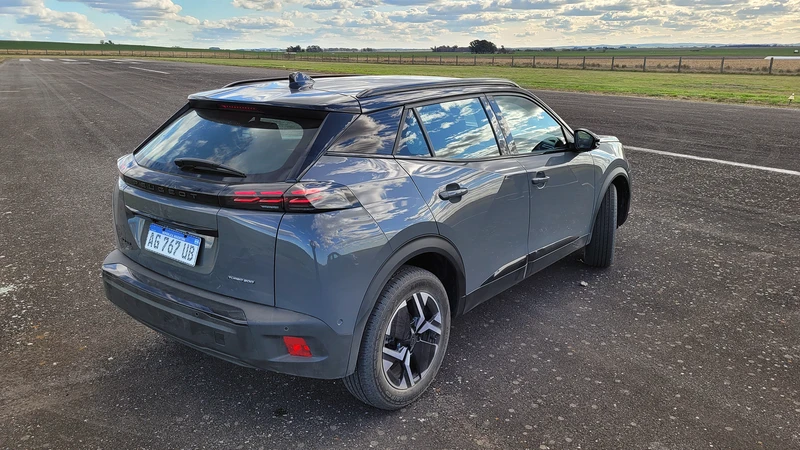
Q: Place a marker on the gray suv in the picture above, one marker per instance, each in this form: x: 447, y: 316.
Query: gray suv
x: 333, y: 228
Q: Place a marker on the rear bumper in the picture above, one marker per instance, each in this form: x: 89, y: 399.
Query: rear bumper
x: 241, y: 332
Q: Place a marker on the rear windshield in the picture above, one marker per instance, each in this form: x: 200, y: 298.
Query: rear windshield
x: 265, y: 147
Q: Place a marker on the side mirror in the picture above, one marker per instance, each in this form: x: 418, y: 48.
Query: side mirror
x: 585, y: 140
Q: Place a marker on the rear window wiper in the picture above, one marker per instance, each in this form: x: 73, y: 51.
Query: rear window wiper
x: 208, y: 166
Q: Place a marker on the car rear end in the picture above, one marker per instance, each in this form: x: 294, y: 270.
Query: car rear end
x: 197, y: 213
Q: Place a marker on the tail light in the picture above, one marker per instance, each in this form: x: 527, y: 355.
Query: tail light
x: 301, y: 197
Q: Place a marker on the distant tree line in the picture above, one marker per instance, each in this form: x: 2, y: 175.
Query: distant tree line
x: 476, y: 46
x: 318, y: 49
x: 448, y: 49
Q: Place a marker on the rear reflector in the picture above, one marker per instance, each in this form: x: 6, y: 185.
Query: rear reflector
x: 301, y: 197
x: 296, y: 346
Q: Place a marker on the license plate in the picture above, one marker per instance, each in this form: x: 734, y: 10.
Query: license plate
x: 175, y: 245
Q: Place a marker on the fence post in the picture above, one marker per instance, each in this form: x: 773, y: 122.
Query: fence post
x: 512, y: 60
x: 612, y: 62
x: 722, y: 65
x: 771, y: 60
x: 769, y: 71
x: 493, y: 60
x: 426, y: 60
x: 680, y: 63
x: 558, y: 62
x: 534, y: 62
x: 584, y: 63
x: 440, y: 60
x: 474, y: 60
x: 644, y: 64
x: 401, y: 59
x: 26, y: 51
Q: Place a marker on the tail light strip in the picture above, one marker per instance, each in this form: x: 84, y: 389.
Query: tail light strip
x: 301, y: 197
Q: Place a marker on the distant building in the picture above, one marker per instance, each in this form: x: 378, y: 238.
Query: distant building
x: 214, y: 48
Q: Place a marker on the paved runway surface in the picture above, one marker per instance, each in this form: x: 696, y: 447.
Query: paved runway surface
x: 691, y: 340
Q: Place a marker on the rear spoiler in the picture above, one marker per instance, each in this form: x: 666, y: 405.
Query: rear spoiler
x: 283, y: 78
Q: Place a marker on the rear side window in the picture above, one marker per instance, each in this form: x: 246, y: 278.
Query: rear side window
x: 412, y: 141
x: 459, y: 129
x: 265, y: 147
x: 370, y: 134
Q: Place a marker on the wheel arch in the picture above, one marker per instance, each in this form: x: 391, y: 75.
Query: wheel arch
x: 433, y: 253
x: 617, y: 175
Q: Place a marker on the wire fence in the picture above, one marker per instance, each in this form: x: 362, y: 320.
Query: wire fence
x: 674, y: 64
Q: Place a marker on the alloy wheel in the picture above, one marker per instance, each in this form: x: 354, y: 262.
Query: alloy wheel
x: 412, y: 340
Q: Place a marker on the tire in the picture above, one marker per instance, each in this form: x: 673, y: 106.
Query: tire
x: 600, y: 251
x: 397, y: 338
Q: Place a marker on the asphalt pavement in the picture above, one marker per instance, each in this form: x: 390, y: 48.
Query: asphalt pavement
x: 691, y: 340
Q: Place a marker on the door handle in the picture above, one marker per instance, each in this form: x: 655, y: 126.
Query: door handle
x: 450, y: 194
x: 540, y: 179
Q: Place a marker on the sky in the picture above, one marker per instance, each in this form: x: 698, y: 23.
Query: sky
x: 401, y: 23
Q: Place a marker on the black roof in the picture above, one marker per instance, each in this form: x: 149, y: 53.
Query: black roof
x: 355, y: 93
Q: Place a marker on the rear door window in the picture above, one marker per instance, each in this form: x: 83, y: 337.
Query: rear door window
x: 265, y: 147
x: 459, y: 129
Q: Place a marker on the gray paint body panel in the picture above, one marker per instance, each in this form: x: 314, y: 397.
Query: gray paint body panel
x: 489, y: 224
x: 560, y: 206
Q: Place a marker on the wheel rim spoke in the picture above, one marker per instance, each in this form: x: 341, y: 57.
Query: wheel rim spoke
x: 409, y: 374
x: 418, y: 304
x: 433, y: 325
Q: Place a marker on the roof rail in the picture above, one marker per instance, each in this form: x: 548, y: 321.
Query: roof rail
x: 283, y: 78
x: 383, y: 90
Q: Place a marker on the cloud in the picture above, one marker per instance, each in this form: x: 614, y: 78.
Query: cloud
x: 147, y: 12
x: 34, y: 14
x: 259, y: 5
x: 525, y: 34
x: 240, y: 27
x: 330, y: 4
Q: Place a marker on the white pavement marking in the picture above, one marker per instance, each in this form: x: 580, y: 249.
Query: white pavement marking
x: 718, y: 161
x: 25, y: 60
x: 8, y: 92
x: 148, y: 70
x: 68, y: 60
x: 45, y: 59
x: 99, y: 60
x: 86, y: 63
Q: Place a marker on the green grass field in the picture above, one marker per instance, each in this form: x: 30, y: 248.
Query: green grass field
x: 688, y: 52
x: 754, y: 89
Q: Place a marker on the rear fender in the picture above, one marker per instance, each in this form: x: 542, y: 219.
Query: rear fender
x: 424, y: 244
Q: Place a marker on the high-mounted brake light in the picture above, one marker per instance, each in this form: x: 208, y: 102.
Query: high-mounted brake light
x: 301, y: 197
x: 235, y: 107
